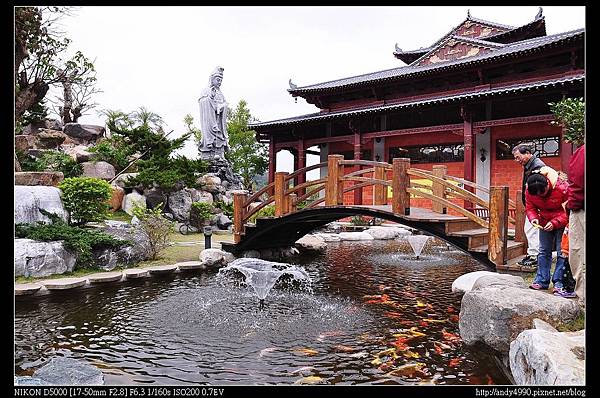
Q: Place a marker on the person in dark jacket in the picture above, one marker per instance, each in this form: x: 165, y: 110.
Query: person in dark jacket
x: 545, y: 201
x: 576, y: 207
x: 523, y: 154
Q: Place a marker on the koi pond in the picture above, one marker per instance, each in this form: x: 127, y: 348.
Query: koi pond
x: 372, y: 314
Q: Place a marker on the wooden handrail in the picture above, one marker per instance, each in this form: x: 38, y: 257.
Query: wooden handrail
x: 257, y: 208
x: 306, y: 185
x: 257, y: 194
x: 305, y: 170
x: 356, y: 186
x: 466, y: 194
x: 477, y: 186
x: 316, y: 202
x: 359, y: 172
x: 311, y: 193
x: 366, y: 179
x: 447, y: 203
x: 371, y: 163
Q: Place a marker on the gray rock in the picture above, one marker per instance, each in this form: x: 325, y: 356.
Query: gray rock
x: 215, y: 258
x: 311, y: 243
x: 496, y: 315
x: 44, y: 178
x: 541, y: 357
x: 499, y: 280
x: 122, y: 180
x: 201, y: 196
x: 383, y: 233
x: 24, y: 142
x: 155, y: 197
x: 50, y: 139
x: 130, y: 200
x: 84, y: 132
x: 107, y: 259
x: 327, y: 237
x: 541, y: 325
x: 78, y: 152
x: 69, y: 371
x: 180, y: 204
x: 40, y: 259
x: 355, y: 236
x: 251, y: 254
x: 223, y: 222
x: 103, y: 170
x: 29, y: 198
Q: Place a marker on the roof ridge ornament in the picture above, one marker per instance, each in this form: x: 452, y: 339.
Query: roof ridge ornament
x: 539, y: 14
x: 292, y: 85
x: 468, y: 13
x: 398, y: 49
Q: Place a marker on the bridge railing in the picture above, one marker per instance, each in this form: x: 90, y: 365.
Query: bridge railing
x: 351, y: 175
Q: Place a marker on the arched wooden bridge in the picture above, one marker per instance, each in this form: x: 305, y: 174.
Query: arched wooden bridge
x: 480, y: 227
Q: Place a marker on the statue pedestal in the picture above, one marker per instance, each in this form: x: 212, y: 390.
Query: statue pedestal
x: 222, y: 168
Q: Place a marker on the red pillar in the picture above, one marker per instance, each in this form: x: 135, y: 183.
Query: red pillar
x: 566, y: 151
x: 272, y: 161
x: 469, y: 166
x: 357, y: 151
x: 301, y: 164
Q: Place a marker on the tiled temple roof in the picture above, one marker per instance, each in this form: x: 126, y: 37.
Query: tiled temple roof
x: 481, y: 92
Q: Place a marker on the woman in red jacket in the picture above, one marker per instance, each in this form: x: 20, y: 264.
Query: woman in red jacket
x: 545, y: 202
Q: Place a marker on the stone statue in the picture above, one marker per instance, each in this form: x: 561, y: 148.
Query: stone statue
x: 213, y: 119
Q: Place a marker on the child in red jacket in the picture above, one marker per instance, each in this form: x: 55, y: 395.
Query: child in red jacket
x: 545, y: 199
x: 568, y: 290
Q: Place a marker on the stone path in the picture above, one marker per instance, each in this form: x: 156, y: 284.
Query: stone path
x: 44, y: 286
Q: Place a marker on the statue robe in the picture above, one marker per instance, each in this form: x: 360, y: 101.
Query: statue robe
x: 212, y: 125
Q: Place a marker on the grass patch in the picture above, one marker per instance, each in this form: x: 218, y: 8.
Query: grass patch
x: 119, y: 215
x: 573, y: 326
x: 175, y: 254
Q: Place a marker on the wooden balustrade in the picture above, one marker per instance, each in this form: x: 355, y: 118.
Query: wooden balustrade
x: 239, y: 210
x: 438, y: 189
x: 334, y: 189
x: 400, y: 184
x: 280, y: 187
x: 498, y: 232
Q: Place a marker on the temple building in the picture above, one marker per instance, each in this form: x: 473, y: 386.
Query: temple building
x: 463, y: 102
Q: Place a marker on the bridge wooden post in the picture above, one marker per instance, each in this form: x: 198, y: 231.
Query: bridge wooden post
x: 334, y: 188
x: 292, y: 202
x: 400, y: 182
x: 239, y: 211
x: 498, y: 234
x: 520, y: 219
x: 280, y: 202
x: 379, y: 195
x: 439, y: 191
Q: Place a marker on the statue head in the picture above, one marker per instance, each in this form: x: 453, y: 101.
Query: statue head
x: 216, y: 77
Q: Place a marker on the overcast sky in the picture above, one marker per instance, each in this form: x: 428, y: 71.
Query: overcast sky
x: 161, y: 57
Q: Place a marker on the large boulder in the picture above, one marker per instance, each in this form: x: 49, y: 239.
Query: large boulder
x: 40, y: 259
x: 495, y: 315
x: 464, y: 283
x: 386, y: 233
x: 355, y: 236
x: 79, y: 153
x: 101, y: 169
x: 155, y: 197
x: 311, y: 243
x: 543, y: 357
x: 84, y: 133
x: 108, y: 259
x: 132, y: 199
x: 223, y: 222
x: 210, y: 183
x: 28, y: 199
x: 46, y: 178
x: 215, y: 258
x: 201, y: 196
x: 24, y: 142
x: 68, y: 371
x: 329, y: 237
x: 180, y: 204
x: 50, y: 139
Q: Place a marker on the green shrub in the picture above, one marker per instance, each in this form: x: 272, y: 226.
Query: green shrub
x: 168, y: 173
x: 78, y: 241
x: 227, y: 209
x: 155, y: 227
x: 570, y: 114
x: 85, y: 198
x: 359, y: 221
x: 51, y: 161
x: 202, y: 211
x: 267, y: 211
x: 115, y: 151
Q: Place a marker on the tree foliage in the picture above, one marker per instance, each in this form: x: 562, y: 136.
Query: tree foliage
x: 141, y: 132
x: 40, y: 60
x: 155, y: 227
x: 248, y: 157
x: 85, y: 198
x: 570, y: 114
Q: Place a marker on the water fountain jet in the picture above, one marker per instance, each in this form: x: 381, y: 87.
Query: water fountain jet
x: 417, y: 242
x: 262, y: 275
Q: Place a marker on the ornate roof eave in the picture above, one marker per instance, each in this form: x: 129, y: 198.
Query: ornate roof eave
x: 457, y: 38
x: 260, y: 127
x: 536, y: 28
x: 441, y: 67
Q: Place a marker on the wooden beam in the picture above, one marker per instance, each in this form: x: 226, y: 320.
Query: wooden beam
x: 400, y: 184
x: 280, y: 203
x: 438, y: 189
x: 239, y: 198
x: 498, y: 234
x: 334, y: 187
x: 380, y: 191
x: 520, y: 218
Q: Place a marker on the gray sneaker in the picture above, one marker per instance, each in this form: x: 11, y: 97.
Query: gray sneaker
x: 528, y: 261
